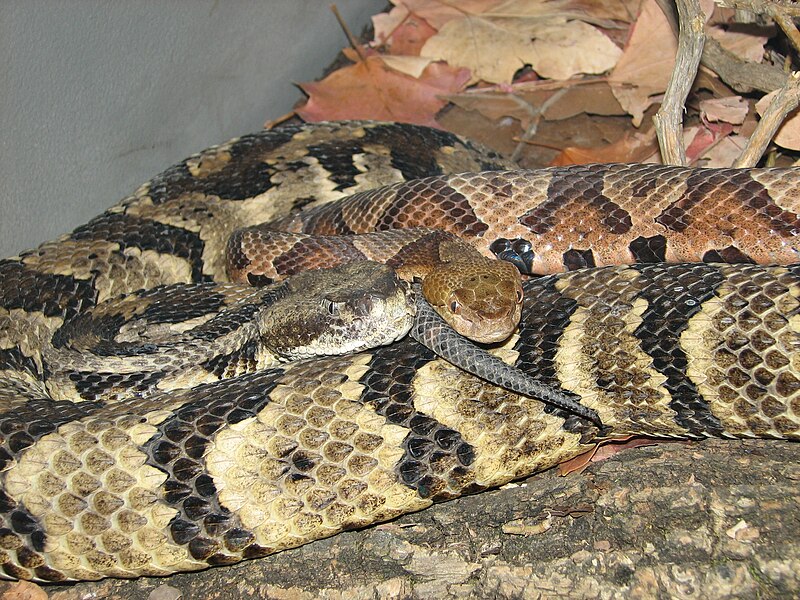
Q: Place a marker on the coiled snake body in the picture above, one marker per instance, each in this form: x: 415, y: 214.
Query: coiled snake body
x: 252, y: 465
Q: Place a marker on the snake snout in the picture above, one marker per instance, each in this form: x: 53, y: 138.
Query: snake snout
x: 363, y: 304
x: 486, y: 318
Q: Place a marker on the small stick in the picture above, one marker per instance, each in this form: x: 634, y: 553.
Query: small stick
x: 787, y: 25
x: 350, y: 37
x: 669, y: 119
x: 747, y: 76
x: 767, y: 7
x: 533, y: 126
x: 785, y: 101
x: 780, y: 12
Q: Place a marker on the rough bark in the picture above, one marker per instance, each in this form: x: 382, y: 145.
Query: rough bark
x: 711, y: 519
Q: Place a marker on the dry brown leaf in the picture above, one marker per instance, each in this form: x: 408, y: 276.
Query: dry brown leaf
x: 708, y: 80
x: 402, y: 33
x: 384, y: 24
x: 577, y: 464
x: 619, y: 10
x: 647, y: 61
x: 701, y: 139
x: 410, y: 65
x: 561, y: 51
x: 634, y: 147
x: 495, y: 49
x: 747, y: 44
x: 603, y: 452
x: 22, y: 590
x: 788, y: 135
x: 370, y: 89
x: 608, y: 450
x: 724, y: 153
x: 594, y: 98
x: 439, y: 12
x: 591, y: 11
x: 732, y: 109
x: 495, y: 106
x: 490, y: 51
x: 538, y: 9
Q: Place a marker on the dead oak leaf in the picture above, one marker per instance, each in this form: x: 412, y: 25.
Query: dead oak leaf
x: 370, y: 89
x: 496, y: 48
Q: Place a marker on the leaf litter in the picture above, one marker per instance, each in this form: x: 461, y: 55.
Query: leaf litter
x: 548, y: 81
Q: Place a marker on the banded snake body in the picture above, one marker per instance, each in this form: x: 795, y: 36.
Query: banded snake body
x: 255, y: 464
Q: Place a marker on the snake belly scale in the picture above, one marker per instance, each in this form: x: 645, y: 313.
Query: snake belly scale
x: 247, y: 466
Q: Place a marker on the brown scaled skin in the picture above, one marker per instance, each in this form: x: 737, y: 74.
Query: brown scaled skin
x: 479, y: 297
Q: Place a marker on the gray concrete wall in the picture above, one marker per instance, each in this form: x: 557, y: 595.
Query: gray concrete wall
x: 98, y: 96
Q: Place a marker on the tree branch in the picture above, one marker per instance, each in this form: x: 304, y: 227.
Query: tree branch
x: 669, y: 119
x: 785, y: 101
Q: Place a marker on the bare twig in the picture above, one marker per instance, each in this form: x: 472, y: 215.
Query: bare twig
x: 786, y: 23
x: 785, y: 101
x: 669, y: 119
x: 791, y: 9
x: 780, y: 12
x: 741, y: 75
x: 350, y: 37
x: 533, y: 127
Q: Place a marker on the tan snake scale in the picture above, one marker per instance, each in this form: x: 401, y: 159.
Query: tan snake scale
x: 253, y: 465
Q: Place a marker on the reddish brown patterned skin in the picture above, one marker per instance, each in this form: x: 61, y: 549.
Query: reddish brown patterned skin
x: 593, y: 215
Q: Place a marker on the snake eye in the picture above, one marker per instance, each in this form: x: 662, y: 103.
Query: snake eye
x: 330, y: 306
x: 519, y: 296
x: 455, y: 306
